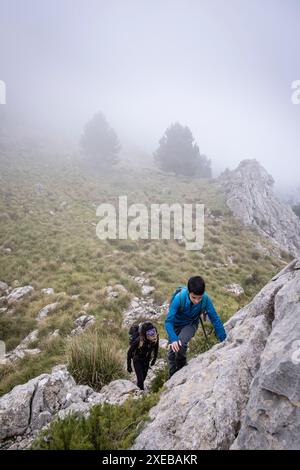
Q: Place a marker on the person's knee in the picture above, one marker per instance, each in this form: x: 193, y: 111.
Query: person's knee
x: 171, y: 358
x: 136, y: 363
x: 180, y: 360
x: 184, y: 343
x: 171, y: 353
x: 181, y: 357
x: 186, y: 335
x: 183, y: 349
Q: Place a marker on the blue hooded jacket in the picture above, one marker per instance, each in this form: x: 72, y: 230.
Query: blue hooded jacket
x: 190, y: 315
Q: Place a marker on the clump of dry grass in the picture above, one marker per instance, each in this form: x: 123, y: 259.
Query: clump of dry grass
x: 95, y: 359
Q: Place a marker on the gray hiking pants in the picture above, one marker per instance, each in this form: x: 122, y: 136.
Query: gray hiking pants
x: 178, y: 360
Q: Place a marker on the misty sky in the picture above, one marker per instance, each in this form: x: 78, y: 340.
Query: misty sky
x: 224, y: 68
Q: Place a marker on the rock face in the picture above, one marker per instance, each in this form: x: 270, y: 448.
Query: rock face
x: 249, y: 194
x: 28, y: 408
x: 244, y: 392
x: 117, y: 391
x: 272, y: 419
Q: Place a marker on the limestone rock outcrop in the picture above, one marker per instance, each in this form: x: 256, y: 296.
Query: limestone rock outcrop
x: 249, y: 193
x: 27, y: 408
x: 244, y: 392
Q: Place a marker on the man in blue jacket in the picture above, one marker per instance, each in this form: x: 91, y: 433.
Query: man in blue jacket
x: 183, y: 320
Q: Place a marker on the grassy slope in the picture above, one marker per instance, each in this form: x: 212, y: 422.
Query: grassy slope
x: 63, y: 252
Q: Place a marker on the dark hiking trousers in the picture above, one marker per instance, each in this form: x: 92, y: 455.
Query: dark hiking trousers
x: 178, y: 360
x: 141, y: 366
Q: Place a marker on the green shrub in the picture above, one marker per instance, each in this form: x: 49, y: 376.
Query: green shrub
x: 127, y: 246
x: 108, y: 427
x: 215, y: 240
x: 285, y: 255
x: 254, y: 279
x: 160, y: 378
x: 94, y: 359
x: 164, y: 275
x: 64, y: 434
x: 14, y: 328
x: 255, y: 255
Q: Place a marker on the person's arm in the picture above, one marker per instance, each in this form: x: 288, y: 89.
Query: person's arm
x: 169, y: 322
x: 130, y: 354
x: 155, y: 351
x: 215, y: 320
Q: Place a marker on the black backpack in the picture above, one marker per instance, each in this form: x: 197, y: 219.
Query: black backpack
x: 178, y: 289
x: 135, y: 331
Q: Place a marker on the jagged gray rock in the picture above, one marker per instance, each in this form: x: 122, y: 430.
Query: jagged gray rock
x: 235, y: 289
x: 204, y: 405
x: 82, y: 322
x: 18, y: 293
x: 118, y: 391
x: 114, y: 291
x: 28, y: 408
x: 48, y: 291
x: 22, y: 349
x: 140, y: 309
x: 44, y: 312
x: 54, y: 334
x: 147, y: 290
x: 272, y: 419
x: 249, y: 194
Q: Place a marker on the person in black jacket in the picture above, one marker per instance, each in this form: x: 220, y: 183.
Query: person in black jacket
x: 141, y: 350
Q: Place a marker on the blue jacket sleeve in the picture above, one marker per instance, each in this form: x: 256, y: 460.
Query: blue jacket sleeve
x: 215, y: 320
x: 169, y: 322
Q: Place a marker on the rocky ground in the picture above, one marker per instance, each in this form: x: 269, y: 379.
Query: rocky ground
x: 241, y: 394
x: 29, y: 408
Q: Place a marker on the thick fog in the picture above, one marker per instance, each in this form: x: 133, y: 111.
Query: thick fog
x: 223, y: 68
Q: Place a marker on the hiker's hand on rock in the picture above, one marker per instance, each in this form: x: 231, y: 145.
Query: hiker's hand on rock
x: 152, y: 362
x: 129, y: 369
x: 175, y: 346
